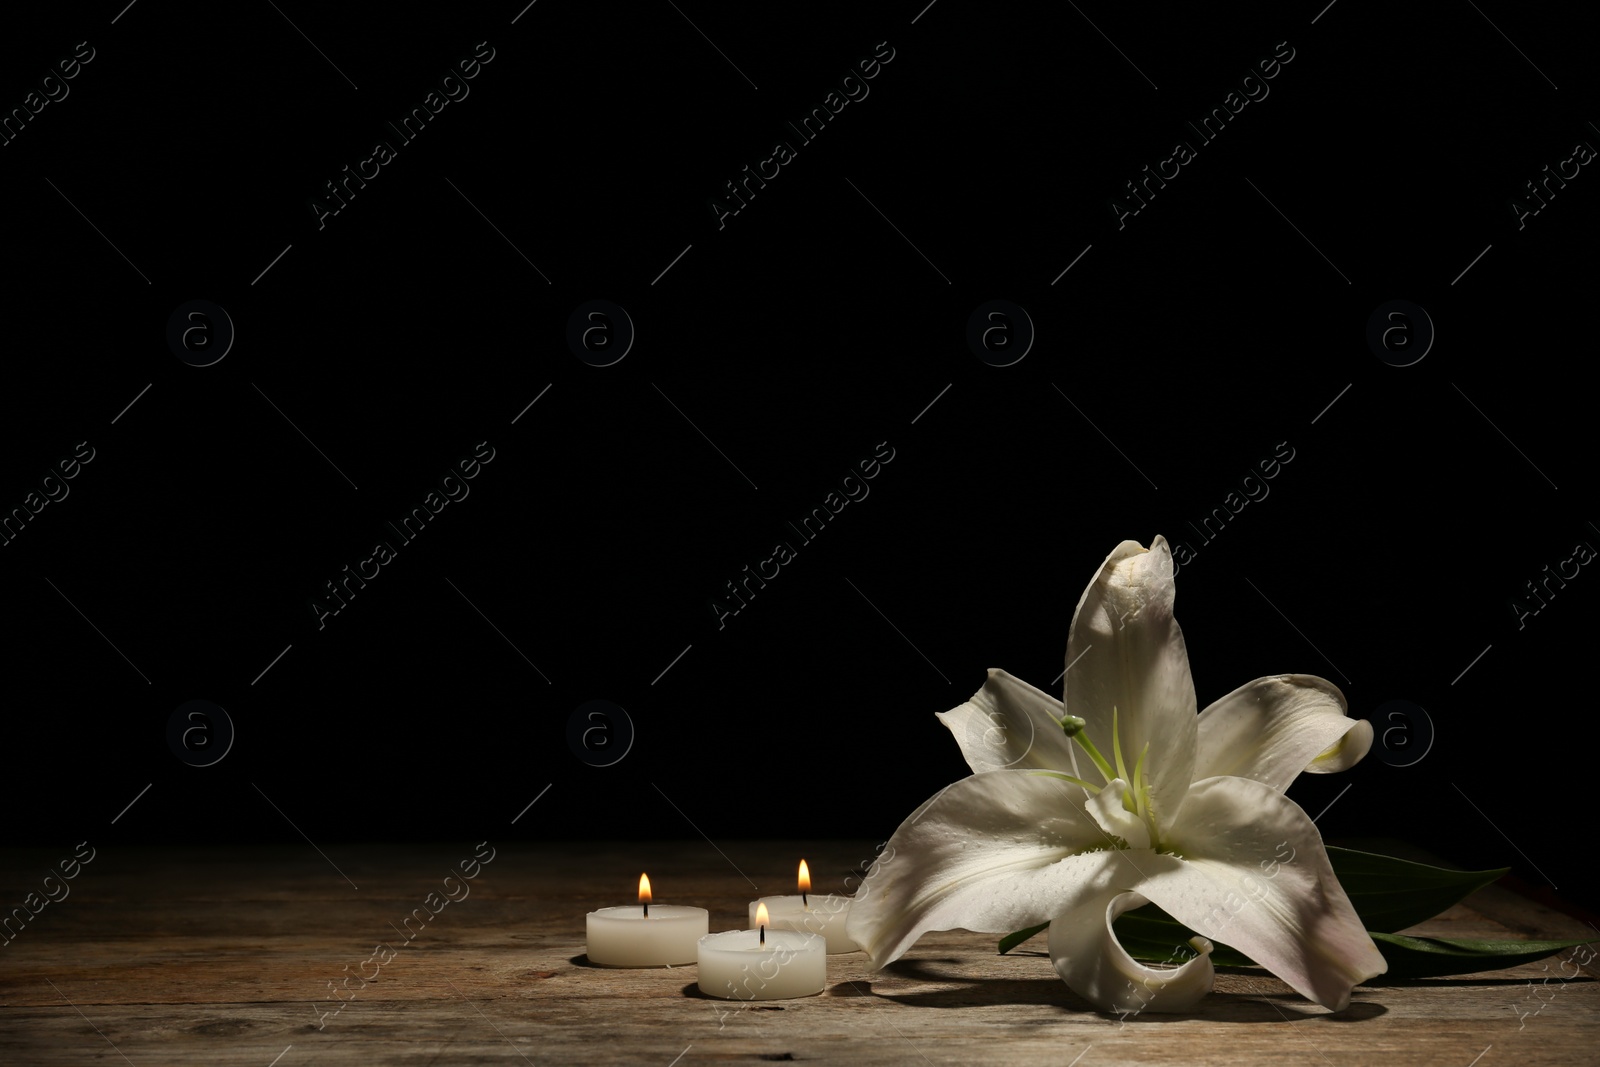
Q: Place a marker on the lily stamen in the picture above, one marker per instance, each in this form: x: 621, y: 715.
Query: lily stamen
x: 1095, y: 789
x: 1141, y: 795
x: 1073, y: 727
x: 1122, y: 768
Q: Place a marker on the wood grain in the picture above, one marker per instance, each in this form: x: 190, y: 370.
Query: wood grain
x: 222, y: 957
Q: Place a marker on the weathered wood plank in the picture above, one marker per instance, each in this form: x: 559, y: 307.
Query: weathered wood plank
x: 225, y: 957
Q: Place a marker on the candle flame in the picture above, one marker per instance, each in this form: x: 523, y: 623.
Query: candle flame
x: 805, y: 877
x: 644, y: 889
x: 762, y: 918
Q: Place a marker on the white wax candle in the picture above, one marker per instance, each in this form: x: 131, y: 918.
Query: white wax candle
x: 822, y: 913
x: 736, y: 966
x: 626, y: 937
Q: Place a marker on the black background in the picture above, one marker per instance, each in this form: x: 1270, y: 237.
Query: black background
x: 820, y: 321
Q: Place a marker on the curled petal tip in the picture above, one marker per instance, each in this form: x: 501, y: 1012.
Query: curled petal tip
x: 1086, y: 954
x: 1345, y: 752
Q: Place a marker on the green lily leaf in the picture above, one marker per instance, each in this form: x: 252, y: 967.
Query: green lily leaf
x: 1391, y: 894
x: 1430, y: 957
x: 1152, y: 936
x: 1011, y: 941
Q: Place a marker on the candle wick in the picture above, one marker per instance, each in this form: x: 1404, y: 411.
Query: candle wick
x: 646, y: 909
x: 803, y: 902
x: 763, y: 933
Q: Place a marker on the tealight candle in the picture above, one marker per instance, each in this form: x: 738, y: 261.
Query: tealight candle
x: 762, y: 965
x: 645, y: 936
x: 809, y: 914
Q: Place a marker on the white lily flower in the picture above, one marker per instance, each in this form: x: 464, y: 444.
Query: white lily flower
x: 1054, y: 827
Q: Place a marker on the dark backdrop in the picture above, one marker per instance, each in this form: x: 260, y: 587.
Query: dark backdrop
x: 775, y: 349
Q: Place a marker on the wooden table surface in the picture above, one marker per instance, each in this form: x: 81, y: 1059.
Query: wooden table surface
x: 226, y: 956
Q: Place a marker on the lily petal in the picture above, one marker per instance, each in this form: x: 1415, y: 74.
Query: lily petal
x: 993, y: 853
x: 1093, y: 963
x: 1009, y: 723
x: 1273, y: 728
x: 1126, y: 651
x: 1255, y: 875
